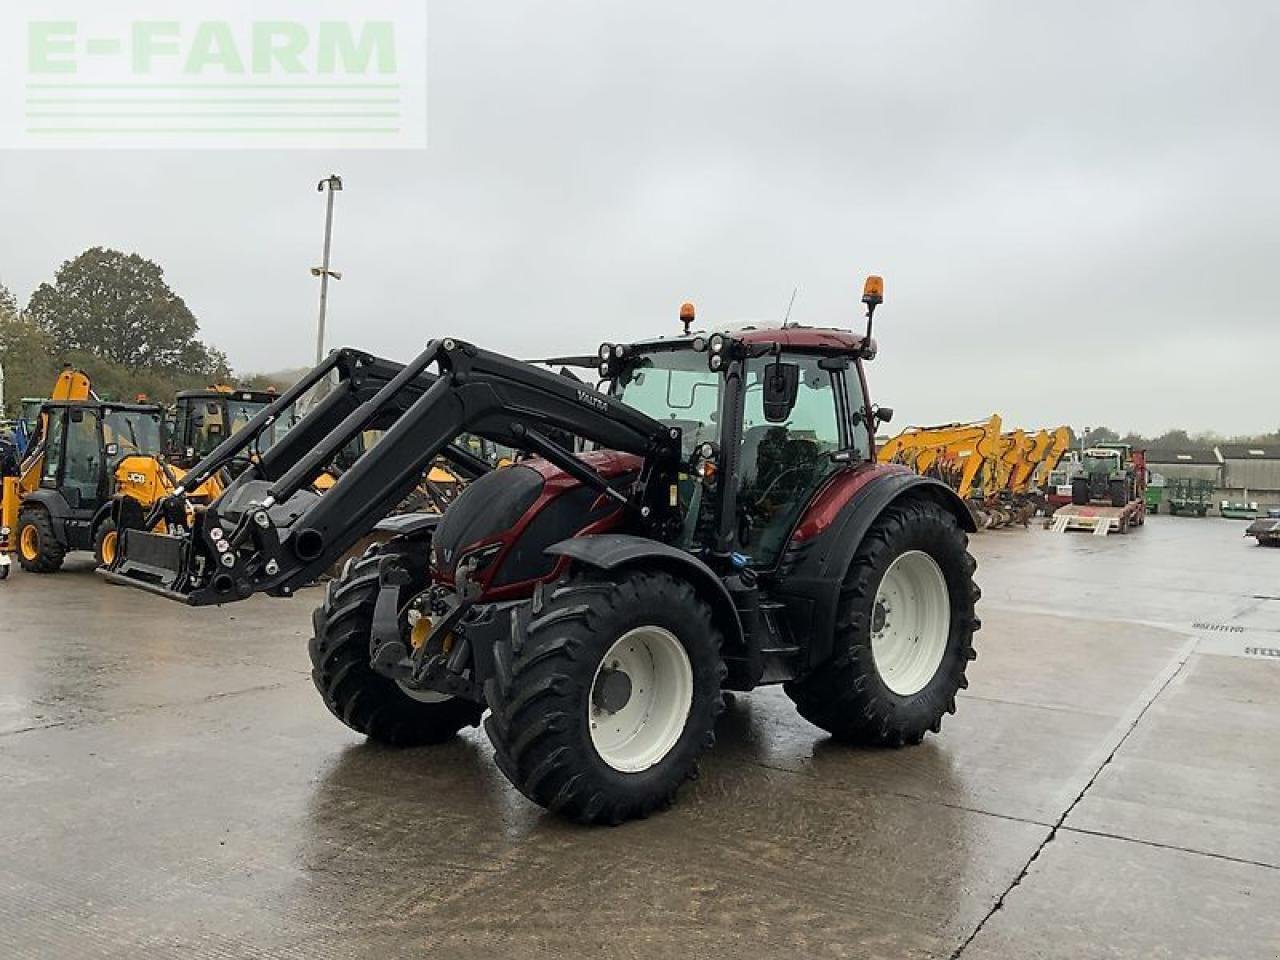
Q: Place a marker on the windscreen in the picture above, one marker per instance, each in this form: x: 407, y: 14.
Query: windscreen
x: 205, y: 422
x: 133, y: 433
x: 675, y: 389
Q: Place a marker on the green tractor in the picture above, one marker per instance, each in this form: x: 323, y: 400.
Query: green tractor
x: 1107, y: 476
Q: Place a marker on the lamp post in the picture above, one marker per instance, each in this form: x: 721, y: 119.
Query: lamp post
x: 334, y: 184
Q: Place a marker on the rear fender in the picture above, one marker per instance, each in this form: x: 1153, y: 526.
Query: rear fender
x: 818, y: 555
x: 615, y: 551
x: 57, y: 507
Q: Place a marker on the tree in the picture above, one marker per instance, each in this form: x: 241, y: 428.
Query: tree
x: 1102, y: 435
x: 117, y: 306
x: 279, y: 381
x: 26, y: 352
x: 8, y: 303
x: 1173, y: 440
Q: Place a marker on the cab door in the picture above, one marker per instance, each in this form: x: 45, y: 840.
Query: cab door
x: 783, y: 463
x: 83, y: 485
x: 50, y: 435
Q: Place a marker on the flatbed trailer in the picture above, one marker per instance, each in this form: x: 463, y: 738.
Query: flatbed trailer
x: 1097, y: 519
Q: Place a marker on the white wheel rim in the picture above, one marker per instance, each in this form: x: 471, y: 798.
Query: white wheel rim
x: 641, y: 731
x: 423, y: 696
x: 910, y: 623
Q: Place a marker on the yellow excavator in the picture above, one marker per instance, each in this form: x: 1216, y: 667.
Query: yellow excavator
x: 999, y: 474
x: 92, y: 468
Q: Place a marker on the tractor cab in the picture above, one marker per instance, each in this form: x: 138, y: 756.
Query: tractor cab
x: 204, y: 418
x: 1103, y: 460
x: 766, y: 416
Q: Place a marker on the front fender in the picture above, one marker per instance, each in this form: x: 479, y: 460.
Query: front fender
x: 613, y: 551
x: 818, y: 555
x: 409, y: 525
x: 57, y: 507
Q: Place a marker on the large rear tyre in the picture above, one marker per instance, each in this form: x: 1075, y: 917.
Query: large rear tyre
x: 1079, y: 491
x: 904, y: 632
x: 363, y: 699
x: 39, y: 550
x: 600, y: 711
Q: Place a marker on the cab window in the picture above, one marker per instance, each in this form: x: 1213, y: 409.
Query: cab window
x: 783, y: 464
x: 676, y: 389
x: 55, y: 421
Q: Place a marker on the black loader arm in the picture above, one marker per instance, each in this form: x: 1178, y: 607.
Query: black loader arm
x: 270, y: 533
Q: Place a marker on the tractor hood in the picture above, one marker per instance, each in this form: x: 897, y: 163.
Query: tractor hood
x: 501, y: 524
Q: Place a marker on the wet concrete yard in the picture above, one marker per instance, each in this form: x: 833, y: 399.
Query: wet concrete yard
x: 171, y: 786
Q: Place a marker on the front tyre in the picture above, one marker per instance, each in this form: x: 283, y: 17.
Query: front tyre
x: 904, y: 632
x: 1119, y: 491
x: 601, y: 709
x: 354, y: 692
x: 106, y: 543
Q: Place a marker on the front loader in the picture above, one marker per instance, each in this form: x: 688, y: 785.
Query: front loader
x: 711, y: 517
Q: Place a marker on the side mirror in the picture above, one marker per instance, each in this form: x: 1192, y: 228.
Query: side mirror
x: 112, y: 449
x: 882, y: 414
x: 781, y: 386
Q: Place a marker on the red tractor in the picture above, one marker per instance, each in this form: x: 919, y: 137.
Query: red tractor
x: 709, y: 517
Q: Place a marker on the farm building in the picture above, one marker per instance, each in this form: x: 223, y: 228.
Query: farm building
x: 1186, y: 464
x: 1251, y: 471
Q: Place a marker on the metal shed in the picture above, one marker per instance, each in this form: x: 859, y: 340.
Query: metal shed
x: 1186, y: 464
x: 1251, y: 467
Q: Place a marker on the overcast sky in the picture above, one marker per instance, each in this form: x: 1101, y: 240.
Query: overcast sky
x: 1076, y: 207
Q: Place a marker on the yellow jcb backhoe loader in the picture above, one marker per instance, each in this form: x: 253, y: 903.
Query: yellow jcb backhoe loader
x: 92, y: 468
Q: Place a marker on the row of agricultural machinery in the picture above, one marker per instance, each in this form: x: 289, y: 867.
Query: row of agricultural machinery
x: 76, y: 469
x: 1003, y: 476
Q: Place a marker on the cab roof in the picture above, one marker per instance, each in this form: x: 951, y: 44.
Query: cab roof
x: 829, y: 339
x: 105, y: 405
x: 794, y: 337
x: 209, y: 393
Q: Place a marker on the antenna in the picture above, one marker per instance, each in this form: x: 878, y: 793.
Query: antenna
x: 794, y: 291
